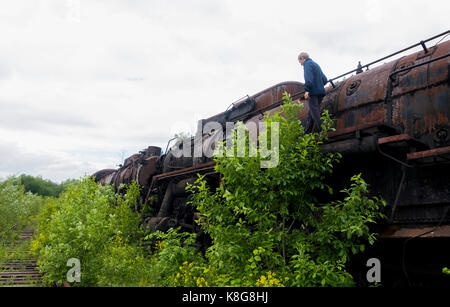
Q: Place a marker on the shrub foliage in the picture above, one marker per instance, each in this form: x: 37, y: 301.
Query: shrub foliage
x: 267, y: 226
x: 95, y: 225
x: 16, y: 206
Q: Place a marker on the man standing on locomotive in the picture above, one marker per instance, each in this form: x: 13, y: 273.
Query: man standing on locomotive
x: 314, y: 91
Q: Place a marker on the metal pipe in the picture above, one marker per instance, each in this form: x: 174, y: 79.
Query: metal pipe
x: 400, y: 186
x: 173, y: 189
x: 169, y: 143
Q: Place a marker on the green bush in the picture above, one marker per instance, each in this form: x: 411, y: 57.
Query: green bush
x: 267, y: 226
x: 16, y: 206
x: 125, y: 265
x: 173, y: 251
x: 40, y: 186
x: 93, y: 224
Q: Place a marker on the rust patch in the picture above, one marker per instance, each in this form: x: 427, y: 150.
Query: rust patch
x: 394, y: 139
x: 185, y: 170
x: 396, y: 232
x: 428, y: 153
x: 365, y: 88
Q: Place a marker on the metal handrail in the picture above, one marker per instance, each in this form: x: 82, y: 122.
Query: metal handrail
x: 360, y: 67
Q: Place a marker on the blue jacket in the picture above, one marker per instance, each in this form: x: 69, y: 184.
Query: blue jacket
x: 314, y: 78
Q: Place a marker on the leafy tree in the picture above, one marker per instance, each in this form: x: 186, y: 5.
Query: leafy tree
x: 92, y: 223
x: 40, y: 186
x: 267, y: 225
x: 174, y: 252
x: 16, y: 206
x: 44, y: 187
x: 268, y: 222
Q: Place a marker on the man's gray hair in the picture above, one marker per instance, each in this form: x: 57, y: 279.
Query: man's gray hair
x: 303, y: 55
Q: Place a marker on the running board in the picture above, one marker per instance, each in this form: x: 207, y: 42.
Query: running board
x: 436, y: 155
x: 402, y: 140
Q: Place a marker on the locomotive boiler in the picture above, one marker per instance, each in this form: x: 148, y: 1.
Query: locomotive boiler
x: 392, y: 125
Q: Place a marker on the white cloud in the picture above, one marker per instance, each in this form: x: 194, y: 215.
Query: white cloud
x: 83, y: 81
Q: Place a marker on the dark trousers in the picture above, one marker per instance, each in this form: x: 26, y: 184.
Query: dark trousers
x: 313, y: 121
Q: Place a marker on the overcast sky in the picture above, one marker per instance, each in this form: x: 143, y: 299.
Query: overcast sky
x: 84, y: 83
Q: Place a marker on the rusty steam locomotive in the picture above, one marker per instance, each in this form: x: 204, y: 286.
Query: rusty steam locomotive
x: 392, y: 125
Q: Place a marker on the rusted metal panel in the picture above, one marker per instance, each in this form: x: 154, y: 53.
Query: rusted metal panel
x: 146, y: 170
x: 421, y: 96
x: 409, y: 80
x: 439, y: 70
x: 104, y: 176
x: 418, y: 104
x: 108, y: 179
x: 265, y: 98
x: 358, y: 103
x: 363, y: 117
x: 172, y: 162
x: 423, y: 76
x: 330, y: 101
x: 423, y: 113
x: 365, y: 88
x: 139, y: 167
x: 275, y: 93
